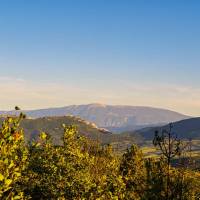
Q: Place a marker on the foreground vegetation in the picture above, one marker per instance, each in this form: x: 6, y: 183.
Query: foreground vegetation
x: 83, y: 169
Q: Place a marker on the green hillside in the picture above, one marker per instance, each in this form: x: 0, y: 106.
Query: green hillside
x: 53, y: 126
x: 184, y: 129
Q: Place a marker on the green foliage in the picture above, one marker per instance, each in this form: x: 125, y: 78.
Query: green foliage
x: 134, y: 173
x: 83, y: 169
x: 59, y: 171
x: 13, y: 158
x: 53, y: 126
x: 184, y: 183
x: 174, y: 182
x: 104, y: 171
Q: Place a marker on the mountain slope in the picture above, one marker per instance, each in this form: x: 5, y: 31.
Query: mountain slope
x: 112, y: 117
x: 184, y: 129
x: 53, y: 126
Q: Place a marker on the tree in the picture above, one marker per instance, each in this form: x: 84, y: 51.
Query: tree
x: 13, y: 158
x: 133, y: 171
x: 170, y: 147
x: 59, y: 172
x: 179, y: 184
x: 105, y: 174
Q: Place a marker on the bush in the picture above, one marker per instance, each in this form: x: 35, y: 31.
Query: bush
x: 83, y: 169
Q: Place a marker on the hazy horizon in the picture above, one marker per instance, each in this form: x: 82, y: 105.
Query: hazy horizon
x: 92, y: 103
x: 137, y: 53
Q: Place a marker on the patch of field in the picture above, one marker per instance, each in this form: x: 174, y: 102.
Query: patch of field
x: 150, y: 151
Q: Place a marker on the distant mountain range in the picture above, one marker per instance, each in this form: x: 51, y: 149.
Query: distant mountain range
x: 184, y: 129
x: 113, y: 118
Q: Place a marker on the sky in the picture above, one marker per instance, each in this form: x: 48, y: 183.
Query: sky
x: 134, y: 52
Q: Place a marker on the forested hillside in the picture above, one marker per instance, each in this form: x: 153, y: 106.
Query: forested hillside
x: 81, y: 168
x: 184, y: 129
x: 53, y: 126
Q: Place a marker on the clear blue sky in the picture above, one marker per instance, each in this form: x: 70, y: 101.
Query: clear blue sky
x: 103, y: 46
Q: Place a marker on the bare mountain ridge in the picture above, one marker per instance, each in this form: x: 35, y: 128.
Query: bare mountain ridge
x: 111, y: 117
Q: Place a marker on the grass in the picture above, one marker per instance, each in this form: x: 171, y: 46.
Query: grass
x: 150, y: 151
